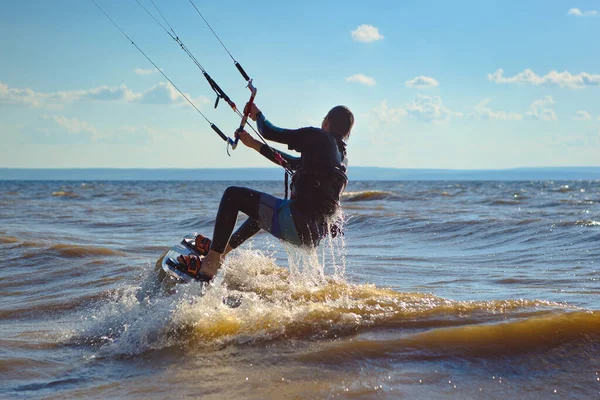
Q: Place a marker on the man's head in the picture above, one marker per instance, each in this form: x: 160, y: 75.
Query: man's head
x: 339, y: 121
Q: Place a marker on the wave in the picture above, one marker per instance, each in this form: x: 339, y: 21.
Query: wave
x: 21, y: 367
x: 65, y: 250
x: 366, y: 195
x: 8, y: 239
x: 503, y: 202
x: 535, y: 333
x: 562, y: 189
x: 50, y: 304
x: 65, y: 193
x: 585, y: 202
x: 77, y: 251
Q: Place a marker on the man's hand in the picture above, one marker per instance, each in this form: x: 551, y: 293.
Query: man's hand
x: 248, y: 140
x: 252, y: 111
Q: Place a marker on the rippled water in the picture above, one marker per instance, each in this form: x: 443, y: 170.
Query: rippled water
x: 436, y: 290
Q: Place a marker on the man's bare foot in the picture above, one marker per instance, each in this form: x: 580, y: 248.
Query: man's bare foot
x: 211, y: 264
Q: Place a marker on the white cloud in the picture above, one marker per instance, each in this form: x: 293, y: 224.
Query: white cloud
x: 430, y: 109
x: 582, y: 116
x: 362, y: 79
x: 424, y: 108
x: 19, y: 97
x: 552, y: 79
x: 421, y: 82
x: 103, y: 93
x: 73, y: 125
x: 165, y: 93
x: 385, y: 114
x: 588, y: 139
x: 142, y: 71
x: 161, y: 93
x: 540, y: 110
x: 482, y: 111
x: 60, y: 129
x: 383, y: 122
x: 366, y: 34
x: 578, y: 13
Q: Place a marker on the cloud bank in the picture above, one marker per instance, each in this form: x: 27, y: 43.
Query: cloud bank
x: 578, y: 13
x: 423, y: 108
x: 552, y: 79
x: 162, y: 93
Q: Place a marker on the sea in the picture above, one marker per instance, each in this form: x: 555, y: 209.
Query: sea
x: 436, y: 290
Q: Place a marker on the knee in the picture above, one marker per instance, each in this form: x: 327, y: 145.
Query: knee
x: 230, y: 193
x: 234, y: 196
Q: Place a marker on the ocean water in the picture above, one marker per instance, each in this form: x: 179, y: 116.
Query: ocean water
x: 437, y: 290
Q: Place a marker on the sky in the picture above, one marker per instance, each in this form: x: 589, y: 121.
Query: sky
x: 432, y: 84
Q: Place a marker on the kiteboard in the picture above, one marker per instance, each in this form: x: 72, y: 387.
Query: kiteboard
x: 174, y: 268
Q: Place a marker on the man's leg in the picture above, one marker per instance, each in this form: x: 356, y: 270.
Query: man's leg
x: 234, y: 200
x: 249, y: 228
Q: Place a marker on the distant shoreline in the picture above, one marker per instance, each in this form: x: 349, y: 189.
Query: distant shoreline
x: 269, y: 174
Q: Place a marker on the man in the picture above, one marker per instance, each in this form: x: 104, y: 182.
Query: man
x: 317, y: 183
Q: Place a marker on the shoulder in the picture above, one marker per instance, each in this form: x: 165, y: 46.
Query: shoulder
x: 307, y: 138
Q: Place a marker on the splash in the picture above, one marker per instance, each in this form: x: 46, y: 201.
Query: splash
x: 301, y: 302
x: 587, y: 223
x: 281, y: 304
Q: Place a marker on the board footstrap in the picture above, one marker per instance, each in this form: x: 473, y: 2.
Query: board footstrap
x: 199, y: 245
x: 198, y: 275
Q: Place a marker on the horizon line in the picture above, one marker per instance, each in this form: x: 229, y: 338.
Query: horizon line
x: 276, y: 168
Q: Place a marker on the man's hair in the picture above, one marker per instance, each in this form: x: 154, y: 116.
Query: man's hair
x: 341, y: 120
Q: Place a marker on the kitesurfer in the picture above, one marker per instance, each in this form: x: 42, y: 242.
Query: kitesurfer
x: 318, y: 180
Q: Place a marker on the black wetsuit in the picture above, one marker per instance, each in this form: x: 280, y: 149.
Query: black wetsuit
x: 317, y: 183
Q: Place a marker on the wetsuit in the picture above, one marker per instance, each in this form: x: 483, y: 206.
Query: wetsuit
x: 317, y: 183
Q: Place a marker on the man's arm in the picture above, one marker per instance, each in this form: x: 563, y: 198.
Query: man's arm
x: 268, y: 152
x: 270, y: 131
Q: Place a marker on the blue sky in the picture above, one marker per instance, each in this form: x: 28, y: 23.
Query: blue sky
x: 433, y: 84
